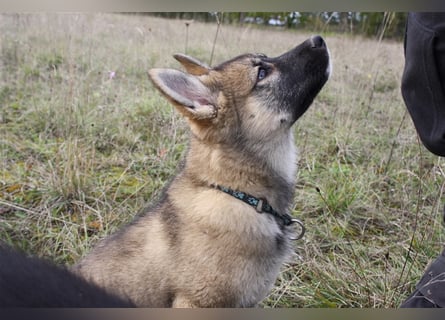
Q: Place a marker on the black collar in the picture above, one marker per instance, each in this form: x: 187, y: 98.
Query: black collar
x: 261, y: 205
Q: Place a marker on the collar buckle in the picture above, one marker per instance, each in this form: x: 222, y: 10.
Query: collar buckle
x: 259, y: 207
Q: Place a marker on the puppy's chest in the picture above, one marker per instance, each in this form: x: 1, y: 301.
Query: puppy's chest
x: 250, y: 235
x: 253, y: 257
x: 230, y: 222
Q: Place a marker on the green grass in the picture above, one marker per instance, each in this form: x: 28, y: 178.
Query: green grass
x: 82, y: 152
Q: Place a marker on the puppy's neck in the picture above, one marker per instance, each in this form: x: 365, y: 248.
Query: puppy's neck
x: 269, y: 172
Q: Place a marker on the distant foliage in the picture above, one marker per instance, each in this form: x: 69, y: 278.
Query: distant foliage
x: 370, y: 24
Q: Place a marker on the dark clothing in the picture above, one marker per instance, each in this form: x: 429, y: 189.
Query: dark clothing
x: 423, y: 82
x: 29, y: 282
x: 430, y: 291
x: 423, y: 90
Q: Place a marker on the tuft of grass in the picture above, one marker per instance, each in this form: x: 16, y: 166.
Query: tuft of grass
x: 86, y: 142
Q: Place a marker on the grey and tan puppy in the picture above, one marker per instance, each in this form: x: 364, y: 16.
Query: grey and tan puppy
x: 220, y: 232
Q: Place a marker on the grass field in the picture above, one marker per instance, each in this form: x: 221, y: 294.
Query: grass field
x: 86, y: 142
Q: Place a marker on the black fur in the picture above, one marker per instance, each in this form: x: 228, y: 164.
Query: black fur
x: 32, y: 282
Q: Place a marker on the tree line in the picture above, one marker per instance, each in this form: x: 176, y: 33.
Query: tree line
x: 372, y: 24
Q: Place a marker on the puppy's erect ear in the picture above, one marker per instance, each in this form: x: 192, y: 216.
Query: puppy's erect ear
x: 192, y: 65
x: 191, y: 97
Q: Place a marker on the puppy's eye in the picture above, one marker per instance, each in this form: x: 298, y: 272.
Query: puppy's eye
x: 262, y: 73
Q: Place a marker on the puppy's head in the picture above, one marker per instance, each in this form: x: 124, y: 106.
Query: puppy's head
x: 249, y: 98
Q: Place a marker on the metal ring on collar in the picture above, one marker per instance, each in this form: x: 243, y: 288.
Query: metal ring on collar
x: 302, y: 229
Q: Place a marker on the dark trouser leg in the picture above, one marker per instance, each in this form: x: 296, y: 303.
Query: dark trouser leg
x: 430, y: 291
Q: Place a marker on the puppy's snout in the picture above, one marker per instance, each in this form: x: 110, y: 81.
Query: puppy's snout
x: 317, y: 42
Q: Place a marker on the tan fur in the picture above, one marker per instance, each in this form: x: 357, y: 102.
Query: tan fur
x: 198, y: 246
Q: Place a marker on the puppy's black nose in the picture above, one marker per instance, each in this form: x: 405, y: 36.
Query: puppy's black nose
x: 317, y: 42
